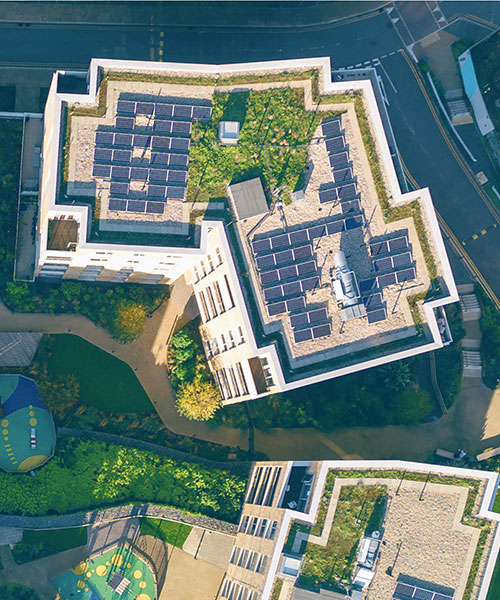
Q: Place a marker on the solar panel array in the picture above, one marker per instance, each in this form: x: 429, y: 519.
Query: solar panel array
x: 404, y: 590
x: 280, y: 308
x: 382, y: 281
x: 155, y: 154
x: 302, y: 319
x: 312, y: 333
x: 387, y: 246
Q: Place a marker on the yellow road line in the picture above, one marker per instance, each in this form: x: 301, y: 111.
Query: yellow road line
x: 457, y: 156
x: 456, y: 243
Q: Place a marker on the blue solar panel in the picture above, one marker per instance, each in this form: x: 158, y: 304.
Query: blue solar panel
x: 404, y: 589
x: 377, y: 315
x: 155, y: 207
x: 299, y: 320
x: 354, y: 222
x: 321, y: 331
x: 335, y: 144
x: 123, y: 139
x: 157, y: 191
x: 158, y: 175
x: 104, y: 138
x: 350, y: 206
x: 306, y: 268
x: 159, y: 158
x: 382, y: 264
x: 202, y: 113
x: 182, y: 112
x: 302, y: 252
x: 161, y: 142
x: 142, y: 141
x: 330, y: 128
x: 125, y: 107
x: 280, y: 241
x: 180, y: 144
x: 145, y: 108
x: 367, y: 285
x: 278, y: 308
x: 298, y: 237
x: 117, y: 204
x: 284, y: 257
x: 328, y: 195
x: 421, y: 594
x: 373, y: 300
x: 139, y: 173
x: 118, y: 189
x: 316, y: 232
x: 292, y: 289
x: 176, y: 193
x: 273, y: 293
x: 181, y: 128
x: 177, y: 177
x: 317, y: 315
x: 101, y: 171
x: 342, y: 175
x: 339, y: 160
x: 164, y: 110
x: 269, y: 277
x: 302, y: 336
x: 309, y: 284
x: 103, y: 155
x: 264, y: 262
x: 400, y: 243
x: 288, y: 272
x: 122, y: 155
x: 401, y: 260
x: 347, y: 191
x: 385, y: 280
x: 126, y: 123
x: 377, y: 248
x: 406, y: 275
x: 136, y: 206
x: 178, y: 160
x: 120, y: 172
x: 335, y: 227
x: 162, y: 127
x: 260, y: 246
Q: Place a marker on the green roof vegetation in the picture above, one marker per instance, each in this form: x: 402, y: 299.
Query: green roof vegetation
x: 494, y: 591
x: 13, y: 591
x: 171, y: 532
x: 37, y: 544
x: 87, y: 474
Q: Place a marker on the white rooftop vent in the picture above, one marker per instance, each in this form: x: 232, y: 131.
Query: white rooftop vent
x: 363, y: 577
x: 290, y: 565
x: 229, y: 132
x: 346, y: 289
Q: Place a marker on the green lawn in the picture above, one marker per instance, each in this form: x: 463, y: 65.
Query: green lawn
x: 496, y: 505
x: 360, y: 510
x: 105, y: 381
x: 17, y: 592
x: 494, y: 591
x: 37, y: 544
x: 168, y: 531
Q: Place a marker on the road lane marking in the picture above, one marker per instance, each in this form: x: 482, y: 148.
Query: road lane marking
x: 387, y: 75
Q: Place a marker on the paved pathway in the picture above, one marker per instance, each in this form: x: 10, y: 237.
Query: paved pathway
x: 472, y: 423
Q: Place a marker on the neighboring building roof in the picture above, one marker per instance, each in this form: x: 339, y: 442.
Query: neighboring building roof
x: 248, y: 199
x: 300, y: 594
x: 28, y: 435
x: 18, y: 349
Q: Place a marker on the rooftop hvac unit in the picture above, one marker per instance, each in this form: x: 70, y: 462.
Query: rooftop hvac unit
x: 346, y: 290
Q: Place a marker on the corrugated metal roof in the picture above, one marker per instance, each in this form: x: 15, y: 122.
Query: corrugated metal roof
x: 18, y: 349
x: 248, y: 199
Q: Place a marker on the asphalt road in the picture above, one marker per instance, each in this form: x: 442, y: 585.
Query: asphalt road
x: 358, y: 43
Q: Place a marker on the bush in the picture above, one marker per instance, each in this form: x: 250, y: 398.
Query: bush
x: 449, y: 359
x: 38, y: 544
x: 198, y: 400
x: 87, y: 474
x: 17, y: 592
x: 60, y: 394
x: 411, y: 407
x: 490, y: 340
x: 128, y: 322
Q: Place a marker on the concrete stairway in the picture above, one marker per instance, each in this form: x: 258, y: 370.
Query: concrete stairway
x: 471, y: 360
x: 470, y: 307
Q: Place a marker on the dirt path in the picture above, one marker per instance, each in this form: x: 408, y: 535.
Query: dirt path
x: 473, y: 422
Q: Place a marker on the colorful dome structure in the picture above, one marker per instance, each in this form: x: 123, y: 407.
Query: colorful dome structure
x: 27, y: 430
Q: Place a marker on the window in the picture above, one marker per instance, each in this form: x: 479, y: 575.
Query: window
x: 204, y: 308
x: 241, y: 376
x: 253, y: 526
x: 226, y: 281
x: 224, y: 343
x: 211, y: 301
x: 244, y: 523
x: 225, y: 384
x: 262, y: 528
x: 215, y: 346
x: 196, y: 274
x: 261, y: 564
x: 266, y: 368
x: 208, y: 348
x: 232, y: 378
x: 232, y: 343
x: 203, y: 269
x: 271, y: 532
x: 218, y: 295
x: 218, y: 381
x: 219, y: 256
x: 210, y: 263
x: 268, y: 500
x: 253, y: 486
x: 241, y: 337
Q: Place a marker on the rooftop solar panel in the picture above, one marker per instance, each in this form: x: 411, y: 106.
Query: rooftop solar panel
x: 162, y: 127
x: 280, y: 241
x: 309, y: 284
x: 120, y: 172
x: 103, y: 155
x: 179, y: 177
x: 421, y: 594
x: 278, y: 308
x: 400, y: 243
x: 202, y: 113
x: 350, y: 206
x: 159, y: 158
x: 375, y: 316
x: 182, y: 111
x: 299, y: 320
x: 368, y: 284
x: 307, y: 267
x: 328, y: 195
x: 136, y: 206
x: 273, y: 293
x: 164, y: 110
x: 321, y: 330
x: 331, y: 128
x: 179, y: 144
x: 302, y: 336
x: 377, y: 248
x: 125, y: 107
x: 264, y: 262
x: 178, y: 160
x: 145, y: 108
x: 382, y: 264
x: 126, y: 123
x: 354, y: 222
x: 292, y: 289
x: 181, y: 128
x: 404, y: 589
x: 139, y: 173
x: 335, y: 227
x: 401, y: 260
x: 176, y: 193
x: 155, y: 207
x: 406, y: 275
x: 302, y: 252
x: 347, y: 191
x: 284, y: 257
x: 160, y: 142
x: 157, y: 191
x: 339, y: 160
x: 442, y: 597
x: 317, y: 315
x: 335, y: 144
x: 158, y: 175
x: 287, y: 272
x: 142, y: 141
x: 101, y: 171
x: 385, y: 280
x: 316, y: 232
x: 296, y: 303
x: 373, y: 300
x: 104, y: 138
x: 269, y: 277
x: 122, y: 155
x: 118, y: 189
x: 117, y: 204
x: 260, y: 246
x: 298, y: 237
x: 123, y: 139
x: 342, y: 175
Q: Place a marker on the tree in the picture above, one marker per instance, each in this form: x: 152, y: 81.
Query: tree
x: 128, y: 322
x: 411, y: 407
x: 17, y: 592
x: 198, y: 400
x: 60, y: 394
x: 397, y: 376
